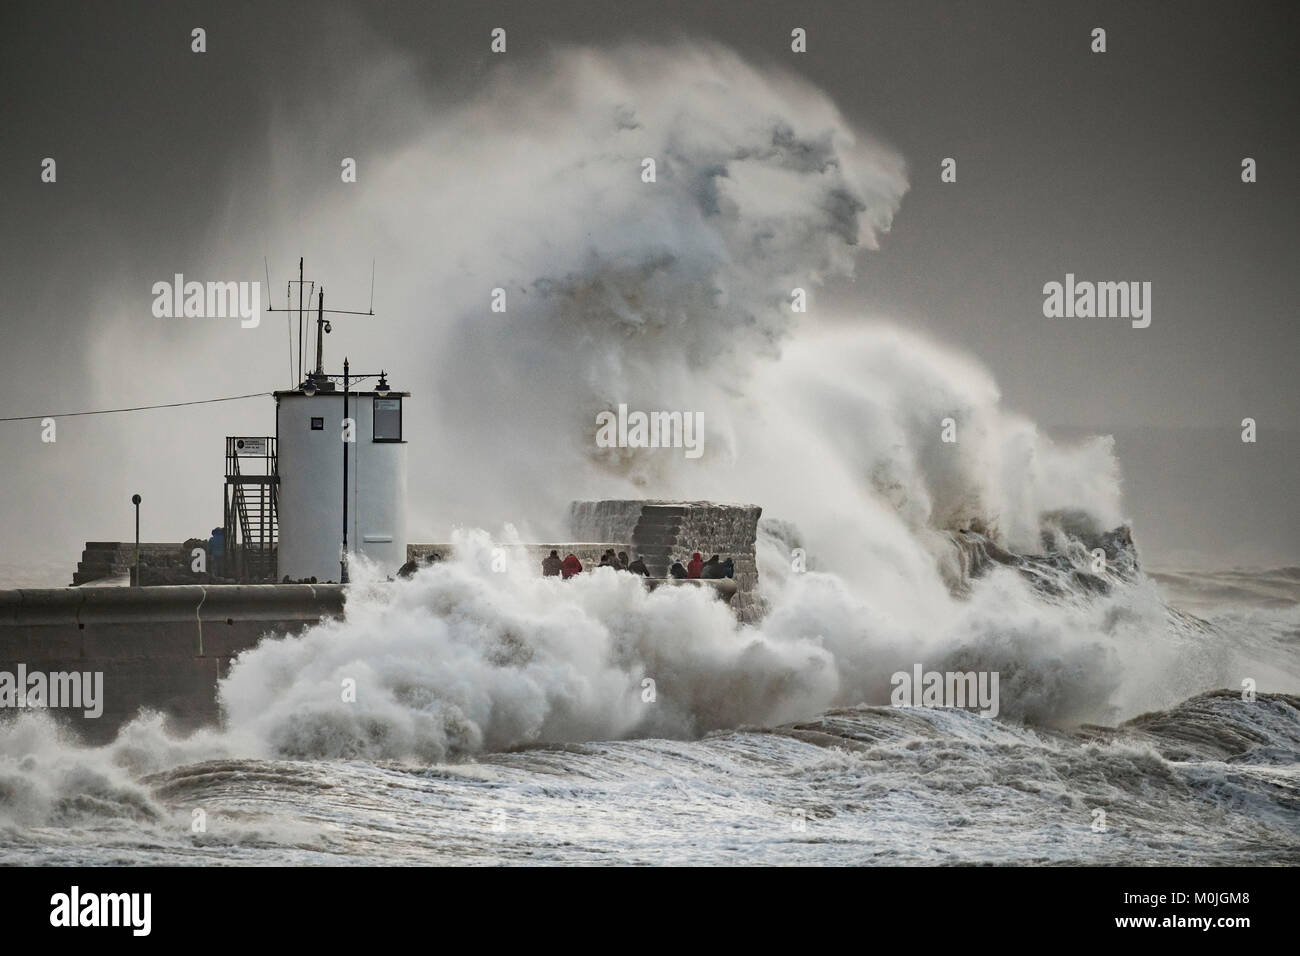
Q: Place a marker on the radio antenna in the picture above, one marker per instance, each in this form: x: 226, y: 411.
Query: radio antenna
x: 270, y: 307
x: 306, y: 287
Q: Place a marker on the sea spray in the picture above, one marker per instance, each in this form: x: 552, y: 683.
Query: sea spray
x: 462, y: 659
x: 676, y: 295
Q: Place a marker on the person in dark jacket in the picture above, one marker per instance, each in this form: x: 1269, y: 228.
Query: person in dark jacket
x: 695, y: 566
x: 677, y: 571
x: 570, y: 567
x: 712, y: 569
x: 622, y: 561
x: 217, y: 554
x: 638, y: 567
x: 551, y: 564
x: 729, y: 568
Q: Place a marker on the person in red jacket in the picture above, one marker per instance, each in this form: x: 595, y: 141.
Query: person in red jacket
x: 570, y: 567
x: 695, y: 566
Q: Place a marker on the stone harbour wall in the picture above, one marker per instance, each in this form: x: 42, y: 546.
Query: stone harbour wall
x: 660, y: 532
x: 161, y: 648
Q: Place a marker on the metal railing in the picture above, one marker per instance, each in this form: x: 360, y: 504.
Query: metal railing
x: 251, y: 509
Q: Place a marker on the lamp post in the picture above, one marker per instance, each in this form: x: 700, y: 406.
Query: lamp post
x: 135, y: 500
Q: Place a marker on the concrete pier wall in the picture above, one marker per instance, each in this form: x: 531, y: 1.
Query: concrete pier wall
x: 163, y: 648
x: 166, y: 647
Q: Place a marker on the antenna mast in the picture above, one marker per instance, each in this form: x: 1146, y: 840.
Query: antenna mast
x: 321, y: 328
x: 322, y: 324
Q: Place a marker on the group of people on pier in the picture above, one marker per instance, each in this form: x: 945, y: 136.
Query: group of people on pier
x: 555, y: 566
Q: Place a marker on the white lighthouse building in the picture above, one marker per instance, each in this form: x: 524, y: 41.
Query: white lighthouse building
x: 331, y: 483
x: 318, y: 439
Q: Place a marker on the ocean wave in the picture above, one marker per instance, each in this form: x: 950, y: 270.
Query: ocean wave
x: 1211, y: 781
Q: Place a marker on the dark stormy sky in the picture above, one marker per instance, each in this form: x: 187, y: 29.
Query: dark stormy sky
x: 1122, y: 166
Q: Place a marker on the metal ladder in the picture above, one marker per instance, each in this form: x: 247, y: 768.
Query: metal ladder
x: 252, y: 506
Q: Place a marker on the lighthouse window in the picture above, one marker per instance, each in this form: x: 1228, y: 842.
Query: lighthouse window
x: 317, y: 424
x: 388, y: 419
